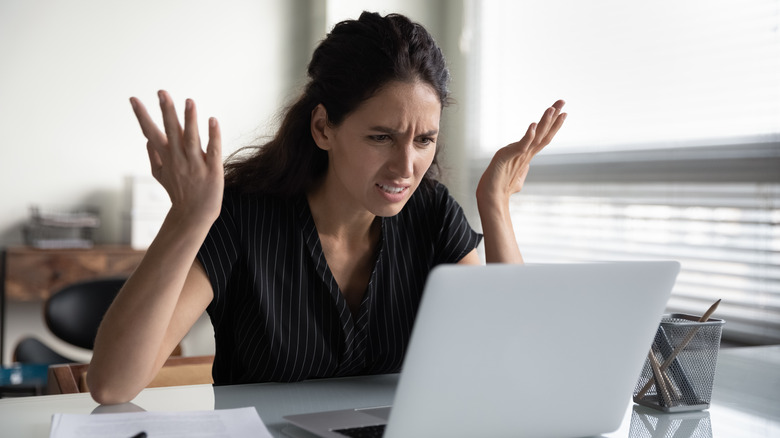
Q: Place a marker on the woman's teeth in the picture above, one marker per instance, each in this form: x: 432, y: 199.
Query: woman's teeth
x: 390, y: 189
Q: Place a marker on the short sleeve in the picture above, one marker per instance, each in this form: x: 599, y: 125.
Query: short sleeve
x: 455, y: 238
x: 219, y: 252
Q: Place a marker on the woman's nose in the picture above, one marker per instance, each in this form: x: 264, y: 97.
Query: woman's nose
x: 402, y: 160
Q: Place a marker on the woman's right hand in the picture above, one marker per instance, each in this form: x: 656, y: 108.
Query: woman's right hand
x: 194, y: 179
x: 169, y: 289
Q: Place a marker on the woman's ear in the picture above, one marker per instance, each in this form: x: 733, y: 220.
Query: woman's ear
x: 319, y: 127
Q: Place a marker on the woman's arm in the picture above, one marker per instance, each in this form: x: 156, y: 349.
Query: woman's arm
x: 504, y: 177
x: 149, y: 317
x: 169, y: 290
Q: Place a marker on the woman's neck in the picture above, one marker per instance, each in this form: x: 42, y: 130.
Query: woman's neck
x: 340, y: 220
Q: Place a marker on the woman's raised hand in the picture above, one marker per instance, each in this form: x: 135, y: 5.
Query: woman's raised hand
x: 509, y: 167
x: 165, y: 294
x: 505, y: 176
x: 194, y: 179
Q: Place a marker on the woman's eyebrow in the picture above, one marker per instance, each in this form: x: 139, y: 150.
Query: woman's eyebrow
x: 392, y: 131
x: 384, y: 129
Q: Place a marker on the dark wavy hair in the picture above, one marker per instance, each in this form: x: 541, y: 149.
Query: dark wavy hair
x: 349, y: 66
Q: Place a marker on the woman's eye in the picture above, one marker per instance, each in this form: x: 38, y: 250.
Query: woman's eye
x: 426, y: 141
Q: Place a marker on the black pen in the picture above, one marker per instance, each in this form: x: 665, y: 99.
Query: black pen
x: 139, y: 435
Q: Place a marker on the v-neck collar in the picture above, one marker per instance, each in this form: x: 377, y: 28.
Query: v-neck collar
x: 355, y: 329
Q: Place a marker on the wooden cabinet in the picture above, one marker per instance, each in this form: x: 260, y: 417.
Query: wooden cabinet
x: 34, y: 274
x: 31, y: 274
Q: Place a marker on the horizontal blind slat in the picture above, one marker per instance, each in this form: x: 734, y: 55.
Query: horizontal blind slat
x: 725, y: 236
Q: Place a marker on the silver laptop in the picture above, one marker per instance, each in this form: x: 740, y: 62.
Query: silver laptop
x: 548, y: 350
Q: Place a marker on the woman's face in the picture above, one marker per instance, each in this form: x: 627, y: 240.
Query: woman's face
x: 380, y: 152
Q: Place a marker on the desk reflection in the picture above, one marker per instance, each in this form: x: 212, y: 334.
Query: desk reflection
x: 650, y: 423
x: 116, y: 409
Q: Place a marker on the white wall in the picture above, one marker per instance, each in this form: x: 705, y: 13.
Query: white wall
x: 67, y: 69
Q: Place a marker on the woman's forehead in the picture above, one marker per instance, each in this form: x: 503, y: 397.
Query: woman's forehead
x: 399, y: 103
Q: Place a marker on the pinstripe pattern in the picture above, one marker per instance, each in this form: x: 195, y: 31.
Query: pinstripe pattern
x: 277, y: 312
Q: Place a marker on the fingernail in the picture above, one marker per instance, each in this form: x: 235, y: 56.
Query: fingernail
x: 161, y: 95
x: 132, y: 102
x: 188, y: 104
x: 212, y: 122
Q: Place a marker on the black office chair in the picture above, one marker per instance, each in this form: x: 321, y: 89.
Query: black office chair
x: 73, y: 314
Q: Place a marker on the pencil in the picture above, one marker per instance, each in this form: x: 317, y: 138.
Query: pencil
x: 660, y: 383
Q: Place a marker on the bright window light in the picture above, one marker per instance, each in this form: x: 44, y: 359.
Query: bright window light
x: 634, y: 74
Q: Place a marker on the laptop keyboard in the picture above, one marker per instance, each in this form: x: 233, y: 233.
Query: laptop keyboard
x: 363, y: 431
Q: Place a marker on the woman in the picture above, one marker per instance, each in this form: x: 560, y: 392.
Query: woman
x: 309, y: 255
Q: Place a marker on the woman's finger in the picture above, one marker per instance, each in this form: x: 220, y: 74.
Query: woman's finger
x: 171, y: 122
x: 520, y: 146
x: 154, y: 161
x: 554, y: 129
x: 214, y: 147
x: 548, y: 119
x: 191, y: 140
x: 148, y: 127
x: 551, y: 122
x: 558, y: 117
x: 545, y: 122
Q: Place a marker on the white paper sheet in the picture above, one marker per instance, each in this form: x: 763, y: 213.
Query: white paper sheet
x: 220, y: 423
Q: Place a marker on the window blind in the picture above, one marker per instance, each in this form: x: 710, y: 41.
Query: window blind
x: 725, y: 235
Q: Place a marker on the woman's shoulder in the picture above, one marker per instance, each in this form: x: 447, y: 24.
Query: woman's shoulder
x: 430, y: 195
x: 241, y: 203
x: 233, y: 196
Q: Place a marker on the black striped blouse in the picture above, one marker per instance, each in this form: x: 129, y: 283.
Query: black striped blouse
x: 277, y: 312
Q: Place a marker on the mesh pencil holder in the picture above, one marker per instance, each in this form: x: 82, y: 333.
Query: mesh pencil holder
x: 680, y: 369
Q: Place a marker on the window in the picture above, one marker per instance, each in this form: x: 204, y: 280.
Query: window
x: 634, y: 74
x: 672, y: 147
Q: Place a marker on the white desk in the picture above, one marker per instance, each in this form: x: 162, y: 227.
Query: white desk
x: 746, y: 402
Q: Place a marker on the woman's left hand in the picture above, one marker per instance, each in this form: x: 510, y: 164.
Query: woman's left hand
x: 507, y: 171
x: 504, y: 177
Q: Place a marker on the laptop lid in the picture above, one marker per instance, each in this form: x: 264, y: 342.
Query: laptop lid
x: 551, y: 350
